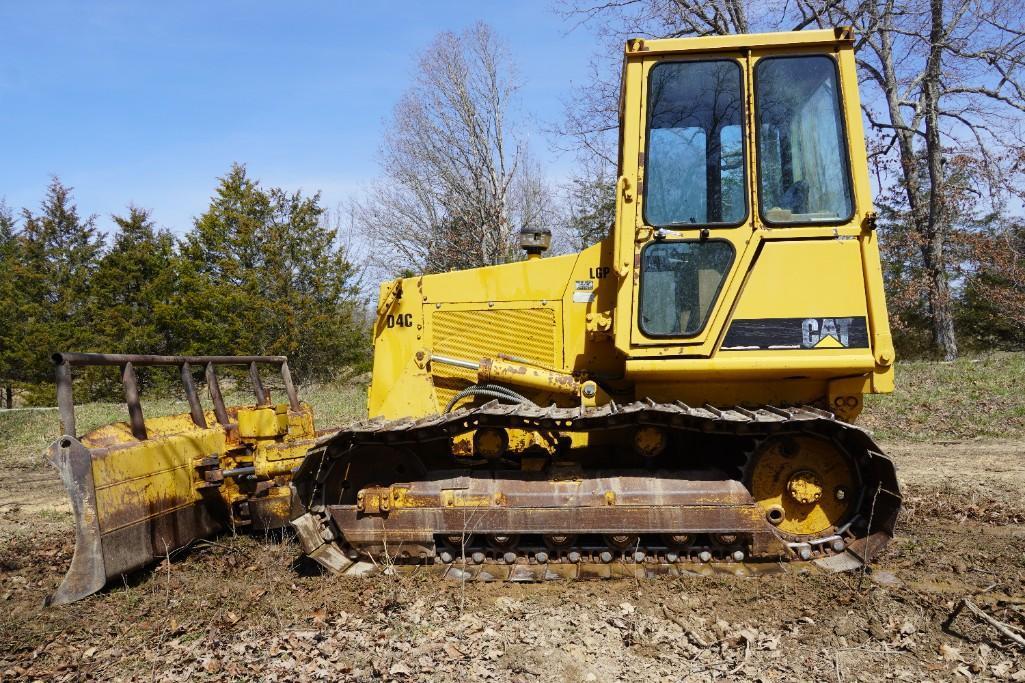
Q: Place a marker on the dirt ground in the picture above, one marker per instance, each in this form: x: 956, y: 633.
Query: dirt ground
x: 240, y: 608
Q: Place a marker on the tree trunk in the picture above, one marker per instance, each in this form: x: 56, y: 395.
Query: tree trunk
x: 943, y: 336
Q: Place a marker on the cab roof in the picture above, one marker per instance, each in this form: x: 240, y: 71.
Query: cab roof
x: 841, y: 35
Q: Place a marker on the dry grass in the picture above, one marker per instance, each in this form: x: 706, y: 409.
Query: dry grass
x: 244, y: 609
x: 25, y: 434
x: 966, y: 399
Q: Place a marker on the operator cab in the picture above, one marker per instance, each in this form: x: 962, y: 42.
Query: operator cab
x: 736, y: 143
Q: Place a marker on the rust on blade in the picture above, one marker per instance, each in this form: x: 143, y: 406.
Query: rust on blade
x: 143, y: 488
x: 87, y: 573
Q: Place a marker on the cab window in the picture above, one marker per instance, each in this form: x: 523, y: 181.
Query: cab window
x: 680, y: 281
x: 802, y: 159
x: 695, y: 154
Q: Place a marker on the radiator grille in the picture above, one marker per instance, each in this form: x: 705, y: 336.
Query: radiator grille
x: 527, y: 333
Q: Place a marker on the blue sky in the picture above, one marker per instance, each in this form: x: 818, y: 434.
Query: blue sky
x: 148, y: 103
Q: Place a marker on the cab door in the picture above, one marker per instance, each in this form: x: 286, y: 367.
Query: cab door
x: 692, y: 223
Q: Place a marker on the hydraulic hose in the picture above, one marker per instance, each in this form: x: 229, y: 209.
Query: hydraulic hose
x: 488, y: 391
x: 505, y: 390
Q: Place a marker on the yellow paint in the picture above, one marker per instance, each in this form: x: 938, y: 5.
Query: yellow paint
x: 527, y: 376
x: 576, y: 314
x: 484, y: 442
x: 804, y: 487
x: 459, y: 499
x: 133, y: 460
x: 277, y: 459
x: 490, y: 443
x: 806, y: 477
x: 483, y: 331
x: 829, y: 342
x: 845, y: 396
x: 260, y: 423
x: 139, y: 480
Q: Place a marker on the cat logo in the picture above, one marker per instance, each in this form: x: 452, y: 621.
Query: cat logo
x: 825, y: 333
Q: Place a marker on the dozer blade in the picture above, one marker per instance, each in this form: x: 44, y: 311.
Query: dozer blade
x: 132, y: 505
x: 142, y: 489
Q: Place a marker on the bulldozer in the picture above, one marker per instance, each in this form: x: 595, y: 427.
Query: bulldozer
x: 678, y: 397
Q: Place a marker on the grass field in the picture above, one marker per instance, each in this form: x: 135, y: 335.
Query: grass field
x: 967, y: 399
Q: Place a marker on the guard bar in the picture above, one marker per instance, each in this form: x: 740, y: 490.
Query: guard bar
x: 128, y: 362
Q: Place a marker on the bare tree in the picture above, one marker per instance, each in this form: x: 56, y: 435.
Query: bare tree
x: 590, y: 123
x: 680, y: 18
x: 948, y: 76
x: 457, y: 183
x: 944, y: 77
x: 591, y: 114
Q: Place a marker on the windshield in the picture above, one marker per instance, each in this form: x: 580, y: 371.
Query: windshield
x: 679, y: 284
x: 802, y: 161
x: 695, y: 155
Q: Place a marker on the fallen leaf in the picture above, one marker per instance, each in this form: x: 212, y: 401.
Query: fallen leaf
x: 949, y: 654
x: 876, y: 630
x: 453, y: 651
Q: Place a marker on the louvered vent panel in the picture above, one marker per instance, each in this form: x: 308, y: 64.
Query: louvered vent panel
x: 527, y: 333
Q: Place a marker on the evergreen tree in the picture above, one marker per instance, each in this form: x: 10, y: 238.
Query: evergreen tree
x: 133, y: 280
x: 128, y: 295
x: 56, y: 256
x: 260, y: 274
x: 592, y: 212
x: 6, y: 227
x: 8, y: 304
x: 220, y: 289
x: 309, y: 286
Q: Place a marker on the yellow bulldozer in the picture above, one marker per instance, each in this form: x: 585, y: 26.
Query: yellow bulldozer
x: 676, y: 398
